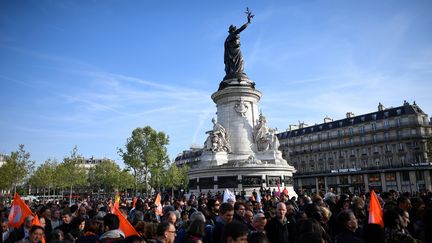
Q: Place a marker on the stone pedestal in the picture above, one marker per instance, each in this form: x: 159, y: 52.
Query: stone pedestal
x: 238, y: 112
x: 210, y: 159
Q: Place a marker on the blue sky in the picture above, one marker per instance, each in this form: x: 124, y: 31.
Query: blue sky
x: 86, y: 73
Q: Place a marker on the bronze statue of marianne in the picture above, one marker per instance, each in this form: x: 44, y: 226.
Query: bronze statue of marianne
x: 233, y: 59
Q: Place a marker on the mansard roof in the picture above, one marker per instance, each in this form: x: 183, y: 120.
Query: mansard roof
x: 406, y: 109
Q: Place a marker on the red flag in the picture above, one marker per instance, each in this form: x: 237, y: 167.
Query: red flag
x: 158, y: 204
x: 134, y: 202
x: 375, y: 211
x: 19, y: 211
x: 125, y: 226
x: 37, y: 222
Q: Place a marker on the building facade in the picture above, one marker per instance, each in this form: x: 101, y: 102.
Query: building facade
x: 383, y: 150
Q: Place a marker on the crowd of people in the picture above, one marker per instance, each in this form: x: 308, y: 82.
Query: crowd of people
x: 320, y: 217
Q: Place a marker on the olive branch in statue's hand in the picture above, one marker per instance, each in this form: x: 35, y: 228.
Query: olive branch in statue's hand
x: 249, y: 15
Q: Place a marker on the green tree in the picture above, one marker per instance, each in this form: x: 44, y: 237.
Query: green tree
x: 144, y: 151
x: 71, y: 171
x: 45, y: 176
x: 126, y: 181
x: 108, y: 176
x: 176, y: 178
x: 16, y: 169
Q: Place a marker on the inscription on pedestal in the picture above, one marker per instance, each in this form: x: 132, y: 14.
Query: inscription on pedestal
x: 227, y: 182
x: 273, y: 180
x: 252, y: 181
x: 206, y: 183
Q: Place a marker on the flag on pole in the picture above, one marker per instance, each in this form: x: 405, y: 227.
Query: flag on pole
x: 19, y: 211
x: 124, y: 224
x: 134, y: 202
x: 117, y: 200
x: 158, y: 204
x: 228, y: 195
x: 375, y: 211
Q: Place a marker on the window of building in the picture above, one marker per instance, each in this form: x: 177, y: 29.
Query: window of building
x: 419, y: 175
x: 386, y: 124
x: 413, y: 131
x: 340, y: 123
x: 374, y: 177
x: 373, y: 125
x: 390, y: 162
x: 399, y: 134
x: 401, y: 147
x: 386, y: 114
x: 376, y: 149
x: 351, y: 131
x: 398, y: 112
x: 351, y: 141
x: 398, y: 122
x: 365, y: 163
x: 390, y: 176
x: 377, y: 162
x: 386, y: 136
x: 374, y: 138
x: 405, y: 176
x: 388, y: 147
x: 363, y: 140
x: 357, y: 179
x: 343, y: 179
x: 373, y: 116
x: 402, y: 160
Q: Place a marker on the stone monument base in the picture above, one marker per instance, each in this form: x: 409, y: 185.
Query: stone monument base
x: 241, y: 177
x: 211, y: 159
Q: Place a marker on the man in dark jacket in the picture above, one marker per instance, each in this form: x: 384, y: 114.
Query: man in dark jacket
x: 226, y: 215
x: 279, y: 229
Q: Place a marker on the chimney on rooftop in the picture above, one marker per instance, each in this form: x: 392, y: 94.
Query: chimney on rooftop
x: 327, y: 119
x: 349, y: 114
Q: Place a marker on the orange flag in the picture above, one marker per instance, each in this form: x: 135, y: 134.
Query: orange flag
x: 125, y: 226
x: 37, y: 222
x: 117, y: 200
x: 19, y: 211
x: 158, y: 204
x: 375, y: 211
x: 134, y: 202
